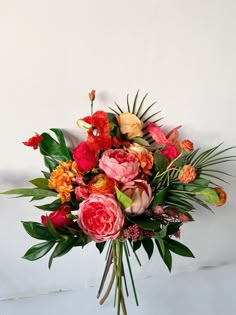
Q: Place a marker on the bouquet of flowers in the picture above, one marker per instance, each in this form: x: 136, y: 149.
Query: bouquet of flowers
x: 128, y: 185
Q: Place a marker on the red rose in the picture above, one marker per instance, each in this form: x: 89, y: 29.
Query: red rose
x: 58, y: 218
x: 85, y: 156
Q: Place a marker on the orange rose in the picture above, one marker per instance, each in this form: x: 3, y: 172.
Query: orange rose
x: 145, y: 157
x: 222, y: 195
x: 187, y: 174
x: 186, y: 145
x: 130, y: 124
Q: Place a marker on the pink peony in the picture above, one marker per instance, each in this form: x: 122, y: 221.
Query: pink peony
x: 101, y: 217
x: 119, y: 165
x: 141, y: 194
x: 85, y: 157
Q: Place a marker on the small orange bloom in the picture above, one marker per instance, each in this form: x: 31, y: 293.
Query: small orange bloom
x: 144, y: 156
x: 186, y: 145
x: 102, y: 184
x: 187, y: 174
x: 222, y: 195
x: 61, y: 179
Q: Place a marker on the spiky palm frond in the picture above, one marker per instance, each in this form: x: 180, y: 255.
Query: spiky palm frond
x: 137, y: 108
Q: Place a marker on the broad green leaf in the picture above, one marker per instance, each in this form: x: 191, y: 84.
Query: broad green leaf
x: 38, y: 251
x: 31, y: 192
x: 56, y: 150
x: 172, y: 228
x: 196, y: 184
x: 160, y: 162
x: 209, y: 195
x: 178, y: 248
x: 37, y: 230
x: 159, y: 242
x: 167, y: 258
x: 53, y: 206
x: 40, y: 182
x: 161, y: 233
x: 124, y: 200
x: 136, y: 245
x: 100, y: 246
x: 63, y: 247
x: 159, y: 198
x: 148, y: 246
x: 50, y: 164
x: 52, y: 230
x: 147, y: 224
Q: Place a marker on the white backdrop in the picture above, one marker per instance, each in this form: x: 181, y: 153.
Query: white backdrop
x: 53, y: 52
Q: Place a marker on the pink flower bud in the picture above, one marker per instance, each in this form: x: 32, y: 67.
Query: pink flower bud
x: 141, y: 194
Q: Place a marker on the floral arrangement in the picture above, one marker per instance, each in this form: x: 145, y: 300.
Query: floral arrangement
x: 128, y: 185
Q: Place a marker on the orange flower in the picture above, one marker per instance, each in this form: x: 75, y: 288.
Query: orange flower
x: 222, y: 195
x: 187, y: 174
x: 61, y: 179
x: 130, y: 124
x: 145, y: 157
x: 101, y: 184
x: 186, y: 145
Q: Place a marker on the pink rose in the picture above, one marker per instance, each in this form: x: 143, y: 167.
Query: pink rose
x: 119, y: 165
x: 101, y: 217
x: 141, y: 194
x: 85, y: 157
x: 58, y: 218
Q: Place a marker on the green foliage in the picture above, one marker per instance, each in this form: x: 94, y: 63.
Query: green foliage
x: 123, y: 199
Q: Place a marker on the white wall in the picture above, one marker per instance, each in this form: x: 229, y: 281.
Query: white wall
x: 182, y: 52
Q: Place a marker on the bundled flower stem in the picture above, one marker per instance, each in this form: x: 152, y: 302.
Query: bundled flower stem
x: 129, y: 184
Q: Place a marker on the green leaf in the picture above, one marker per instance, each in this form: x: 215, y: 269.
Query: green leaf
x: 209, y: 195
x: 178, y: 248
x: 141, y: 141
x: 196, y: 184
x: 53, y: 206
x: 124, y: 200
x: 162, y: 233
x: 50, y: 164
x: 136, y: 245
x: 159, y: 198
x: 167, y: 257
x: 147, y: 224
x: 161, y: 247
x: 38, y: 251
x: 148, y: 246
x: 63, y: 247
x: 160, y: 162
x: 31, y: 192
x: 100, y: 246
x: 37, y: 230
x: 56, y: 150
x: 52, y: 230
x: 40, y: 182
x: 172, y: 228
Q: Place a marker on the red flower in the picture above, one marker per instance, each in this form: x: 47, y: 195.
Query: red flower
x: 58, y: 218
x: 85, y: 156
x: 170, y: 152
x: 102, y: 140
x: 34, y: 141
